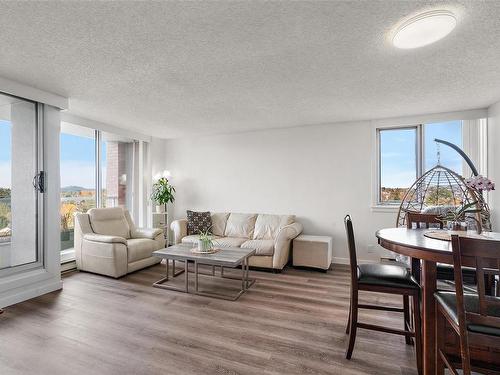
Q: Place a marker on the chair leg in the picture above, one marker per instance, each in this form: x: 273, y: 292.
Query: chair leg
x: 440, y: 335
x: 406, y: 313
x: 417, y: 328
x: 353, y: 323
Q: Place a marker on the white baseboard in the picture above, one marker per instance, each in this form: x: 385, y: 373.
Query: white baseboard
x: 29, y: 292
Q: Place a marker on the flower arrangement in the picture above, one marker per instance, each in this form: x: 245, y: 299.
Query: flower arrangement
x: 480, y: 183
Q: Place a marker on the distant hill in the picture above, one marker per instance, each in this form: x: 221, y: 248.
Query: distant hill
x: 72, y: 189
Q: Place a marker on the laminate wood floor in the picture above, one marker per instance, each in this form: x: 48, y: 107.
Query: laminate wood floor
x: 288, y: 323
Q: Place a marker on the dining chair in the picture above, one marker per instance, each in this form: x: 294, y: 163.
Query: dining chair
x: 475, y: 318
x: 444, y: 271
x: 382, y: 278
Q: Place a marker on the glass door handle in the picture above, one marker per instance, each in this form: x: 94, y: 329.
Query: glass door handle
x: 39, y: 182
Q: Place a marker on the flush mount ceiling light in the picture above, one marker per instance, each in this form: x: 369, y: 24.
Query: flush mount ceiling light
x: 424, y: 29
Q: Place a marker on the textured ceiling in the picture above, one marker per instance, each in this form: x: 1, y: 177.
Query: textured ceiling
x: 175, y: 69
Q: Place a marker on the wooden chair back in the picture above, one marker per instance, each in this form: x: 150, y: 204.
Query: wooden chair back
x: 484, y: 255
x: 352, y: 250
x: 418, y: 218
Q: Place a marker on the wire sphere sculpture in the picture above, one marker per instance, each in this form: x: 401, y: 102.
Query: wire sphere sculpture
x: 439, y: 191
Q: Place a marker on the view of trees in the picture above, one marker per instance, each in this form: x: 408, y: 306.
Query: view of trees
x: 5, y: 212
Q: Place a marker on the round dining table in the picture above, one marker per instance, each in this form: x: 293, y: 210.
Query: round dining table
x: 414, y: 244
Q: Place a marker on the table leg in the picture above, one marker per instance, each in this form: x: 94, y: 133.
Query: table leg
x: 196, y: 276
x: 243, y: 283
x: 186, y: 272
x: 429, y: 275
x: 167, y: 261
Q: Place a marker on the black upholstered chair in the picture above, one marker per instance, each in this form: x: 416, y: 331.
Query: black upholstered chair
x: 382, y: 278
x: 475, y: 318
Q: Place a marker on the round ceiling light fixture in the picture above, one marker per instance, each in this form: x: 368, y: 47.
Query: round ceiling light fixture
x: 424, y: 29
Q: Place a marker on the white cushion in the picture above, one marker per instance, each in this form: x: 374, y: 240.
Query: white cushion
x: 109, y: 221
x: 193, y: 239
x: 229, y: 242
x: 140, y: 248
x: 262, y: 247
x: 268, y: 226
x: 219, y: 220
x: 240, y: 225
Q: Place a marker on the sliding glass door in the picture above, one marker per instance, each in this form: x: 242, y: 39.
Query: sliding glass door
x: 20, y: 185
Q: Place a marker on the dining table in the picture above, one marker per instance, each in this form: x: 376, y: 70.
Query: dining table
x: 426, y: 252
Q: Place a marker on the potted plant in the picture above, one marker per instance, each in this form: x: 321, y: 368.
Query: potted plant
x: 205, y: 242
x: 456, y: 219
x: 162, y: 194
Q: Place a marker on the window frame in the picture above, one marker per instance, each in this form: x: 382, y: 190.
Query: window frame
x: 418, y: 158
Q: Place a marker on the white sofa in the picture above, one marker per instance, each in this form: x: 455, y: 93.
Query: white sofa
x: 108, y: 243
x: 269, y: 235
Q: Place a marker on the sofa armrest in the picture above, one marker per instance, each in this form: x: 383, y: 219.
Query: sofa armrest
x: 103, y: 238
x: 179, y: 227
x: 282, y: 244
x: 150, y: 233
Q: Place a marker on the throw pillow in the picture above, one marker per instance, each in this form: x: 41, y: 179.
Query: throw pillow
x: 198, y: 222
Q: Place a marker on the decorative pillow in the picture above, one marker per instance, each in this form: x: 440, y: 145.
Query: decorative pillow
x: 198, y: 222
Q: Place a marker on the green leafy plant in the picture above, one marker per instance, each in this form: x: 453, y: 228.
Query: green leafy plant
x: 206, y: 241
x: 462, y: 213
x: 163, y: 192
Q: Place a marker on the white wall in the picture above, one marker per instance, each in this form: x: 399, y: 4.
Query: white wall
x: 494, y: 161
x: 319, y: 173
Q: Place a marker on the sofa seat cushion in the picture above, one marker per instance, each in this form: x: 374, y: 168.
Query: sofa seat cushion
x: 268, y: 226
x: 262, y: 247
x: 193, y: 239
x: 229, y: 241
x: 240, y: 225
x: 140, y: 248
x: 109, y: 221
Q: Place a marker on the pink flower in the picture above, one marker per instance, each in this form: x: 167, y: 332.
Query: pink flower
x: 480, y: 183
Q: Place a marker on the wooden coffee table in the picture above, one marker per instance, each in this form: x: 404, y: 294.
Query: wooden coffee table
x: 230, y: 257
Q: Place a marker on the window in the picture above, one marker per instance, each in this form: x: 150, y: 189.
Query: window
x: 78, y: 192
x: 98, y: 169
x: 405, y: 153
x: 398, y: 162
x: 20, y: 201
x: 117, y: 162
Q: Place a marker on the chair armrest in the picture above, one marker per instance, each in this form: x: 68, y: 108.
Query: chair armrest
x: 179, y: 227
x: 282, y: 244
x: 150, y: 233
x: 103, y: 238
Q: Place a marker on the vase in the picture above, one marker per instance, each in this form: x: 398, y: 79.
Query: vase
x: 204, y: 246
x: 160, y: 208
x: 457, y: 226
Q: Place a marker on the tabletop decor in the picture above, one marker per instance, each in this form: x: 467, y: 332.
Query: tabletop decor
x: 206, y: 243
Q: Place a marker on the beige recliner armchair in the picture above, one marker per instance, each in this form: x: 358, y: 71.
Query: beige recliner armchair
x: 108, y: 243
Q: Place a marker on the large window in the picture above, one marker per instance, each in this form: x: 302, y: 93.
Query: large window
x: 97, y: 170
x: 78, y: 172
x: 406, y: 153
x: 20, y: 199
